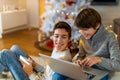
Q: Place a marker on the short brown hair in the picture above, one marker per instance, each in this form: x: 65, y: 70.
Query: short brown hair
x: 87, y: 18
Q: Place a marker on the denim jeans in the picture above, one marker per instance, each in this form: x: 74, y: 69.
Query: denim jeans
x: 57, y: 76
x: 1, y: 68
x: 10, y: 59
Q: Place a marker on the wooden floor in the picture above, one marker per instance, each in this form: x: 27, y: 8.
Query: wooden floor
x: 24, y: 38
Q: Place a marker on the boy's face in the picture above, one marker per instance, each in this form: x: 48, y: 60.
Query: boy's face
x: 87, y: 33
x: 60, y: 39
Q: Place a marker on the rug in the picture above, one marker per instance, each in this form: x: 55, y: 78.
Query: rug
x: 45, y: 45
x: 6, y: 76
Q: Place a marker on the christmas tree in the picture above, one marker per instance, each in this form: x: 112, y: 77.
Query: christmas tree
x: 59, y: 10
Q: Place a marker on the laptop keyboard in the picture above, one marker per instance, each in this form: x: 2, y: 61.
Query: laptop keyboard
x: 89, y: 75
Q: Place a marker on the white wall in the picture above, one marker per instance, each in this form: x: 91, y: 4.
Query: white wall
x: 33, y: 13
x: 22, y: 3
x: 12, y: 4
x: 108, y: 13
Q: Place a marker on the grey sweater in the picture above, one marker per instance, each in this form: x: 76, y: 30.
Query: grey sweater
x: 105, y: 45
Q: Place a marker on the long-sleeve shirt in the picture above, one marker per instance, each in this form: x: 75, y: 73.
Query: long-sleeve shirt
x: 64, y: 55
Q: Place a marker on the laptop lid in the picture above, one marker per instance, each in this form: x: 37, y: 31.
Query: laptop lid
x: 64, y: 67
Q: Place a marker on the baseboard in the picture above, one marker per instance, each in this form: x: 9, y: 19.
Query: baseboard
x: 14, y: 29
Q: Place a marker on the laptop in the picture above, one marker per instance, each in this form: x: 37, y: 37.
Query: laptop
x: 72, y: 70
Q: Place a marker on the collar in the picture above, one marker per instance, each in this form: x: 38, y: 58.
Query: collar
x: 99, y: 34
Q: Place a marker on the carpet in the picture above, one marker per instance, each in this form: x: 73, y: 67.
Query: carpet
x: 45, y: 45
x: 6, y: 76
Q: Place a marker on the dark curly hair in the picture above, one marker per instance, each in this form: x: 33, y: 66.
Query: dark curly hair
x: 63, y: 25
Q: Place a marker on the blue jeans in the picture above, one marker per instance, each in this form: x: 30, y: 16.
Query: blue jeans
x: 10, y: 59
x: 57, y: 76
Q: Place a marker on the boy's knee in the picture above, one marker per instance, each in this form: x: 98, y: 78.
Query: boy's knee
x: 14, y: 47
x: 4, y: 52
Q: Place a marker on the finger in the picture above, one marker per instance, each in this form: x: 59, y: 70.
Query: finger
x: 85, y: 62
x: 89, y: 64
x: 80, y: 64
x: 22, y: 63
x: 82, y: 67
x: 30, y: 60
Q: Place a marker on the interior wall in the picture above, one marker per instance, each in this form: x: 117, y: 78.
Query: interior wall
x: 22, y: 4
x: 12, y: 4
x: 33, y: 12
x: 108, y: 12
